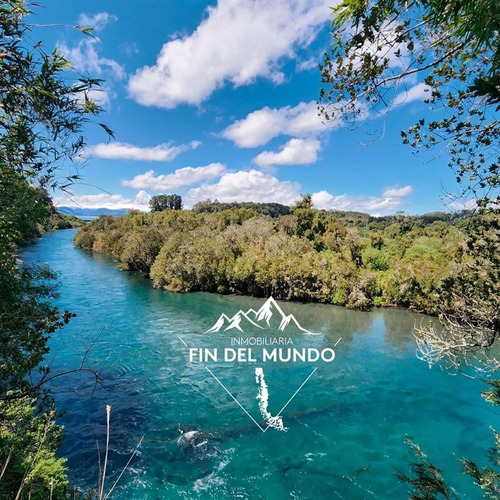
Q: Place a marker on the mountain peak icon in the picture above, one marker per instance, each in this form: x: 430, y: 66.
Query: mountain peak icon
x: 265, y: 313
x: 262, y: 319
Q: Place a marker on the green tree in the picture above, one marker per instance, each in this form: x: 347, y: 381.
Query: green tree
x: 28, y: 446
x: 271, y: 209
x: 308, y: 255
x: 41, y: 117
x: 163, y: 202
x: 469, y: 304
x: 304, y: 203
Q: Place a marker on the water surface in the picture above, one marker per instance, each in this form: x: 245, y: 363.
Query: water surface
x: 346, y: 426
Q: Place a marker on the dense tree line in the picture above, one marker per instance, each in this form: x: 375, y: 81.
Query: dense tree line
x: 346, y: 259
x: 271, y: 209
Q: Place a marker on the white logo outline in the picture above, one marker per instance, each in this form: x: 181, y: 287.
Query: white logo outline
x: 262, y: 315
x: 260, y: 319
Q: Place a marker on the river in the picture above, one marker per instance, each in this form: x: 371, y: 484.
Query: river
x: 346, y: 426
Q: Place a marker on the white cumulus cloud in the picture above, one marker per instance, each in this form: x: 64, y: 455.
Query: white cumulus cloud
x: 416, y: 93
x: 390, y: 200
x: 308, y: 64
x: 186, y: 176
x: 253, y: 185
x: 85, y: 58
x: 262, y: 125
x: 124, y: 151
x: 294, y: 152
x: 462, y: 204
x: 237, y: 42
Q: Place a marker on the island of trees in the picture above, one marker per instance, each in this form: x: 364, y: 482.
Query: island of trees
x: 293, y: 253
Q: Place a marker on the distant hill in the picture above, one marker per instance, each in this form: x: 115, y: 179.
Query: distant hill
x: 83, y: 212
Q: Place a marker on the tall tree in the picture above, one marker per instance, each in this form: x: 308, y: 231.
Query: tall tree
x: 163, y: 202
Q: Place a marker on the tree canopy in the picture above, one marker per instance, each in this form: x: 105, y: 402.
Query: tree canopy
x: 271, y: 209
x: 337, y: 258
x: 449, y: 51
x: 165, y: 202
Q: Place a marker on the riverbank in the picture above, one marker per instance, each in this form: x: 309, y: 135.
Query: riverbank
x: 308, y: 255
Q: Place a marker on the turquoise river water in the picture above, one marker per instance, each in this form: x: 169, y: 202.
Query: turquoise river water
x: 346, y: 426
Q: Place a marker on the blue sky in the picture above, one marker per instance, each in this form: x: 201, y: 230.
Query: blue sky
x: 217, y: 100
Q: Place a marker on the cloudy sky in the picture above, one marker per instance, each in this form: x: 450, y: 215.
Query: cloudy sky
x: 218, y: 100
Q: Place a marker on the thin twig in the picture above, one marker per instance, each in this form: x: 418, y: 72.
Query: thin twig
x: 4, y: 466
x: 108, y: 414
x: 125, y: 468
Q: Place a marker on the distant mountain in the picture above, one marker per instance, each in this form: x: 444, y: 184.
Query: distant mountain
x: 269, y: 316
x: 91, y: 212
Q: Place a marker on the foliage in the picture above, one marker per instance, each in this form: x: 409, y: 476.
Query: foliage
x: 28, y: 209
x: 165, y: 202
x: 427, y: 481
x: 27, y: 319
x: 469, y: 308
x: 492, y: 394
x: 58, y: 220
x: 28, y: 445
x: 42, y: 115
x: 341, y: 258
x: 270, y: 209
x: 487, y: 478
x: 472, y: 293
x: 380, y: 48
x: 304, y: 203
x: 449, y: 51
x: 22, y: 206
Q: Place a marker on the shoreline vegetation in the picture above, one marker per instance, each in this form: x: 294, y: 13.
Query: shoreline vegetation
x: 59, y: 220
x: 52, y: 221
x: 292, y: 253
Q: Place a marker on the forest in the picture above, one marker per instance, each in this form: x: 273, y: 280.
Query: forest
x: 342, y: 258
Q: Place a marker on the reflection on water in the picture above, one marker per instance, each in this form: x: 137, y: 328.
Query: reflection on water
x: 346, y: 427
